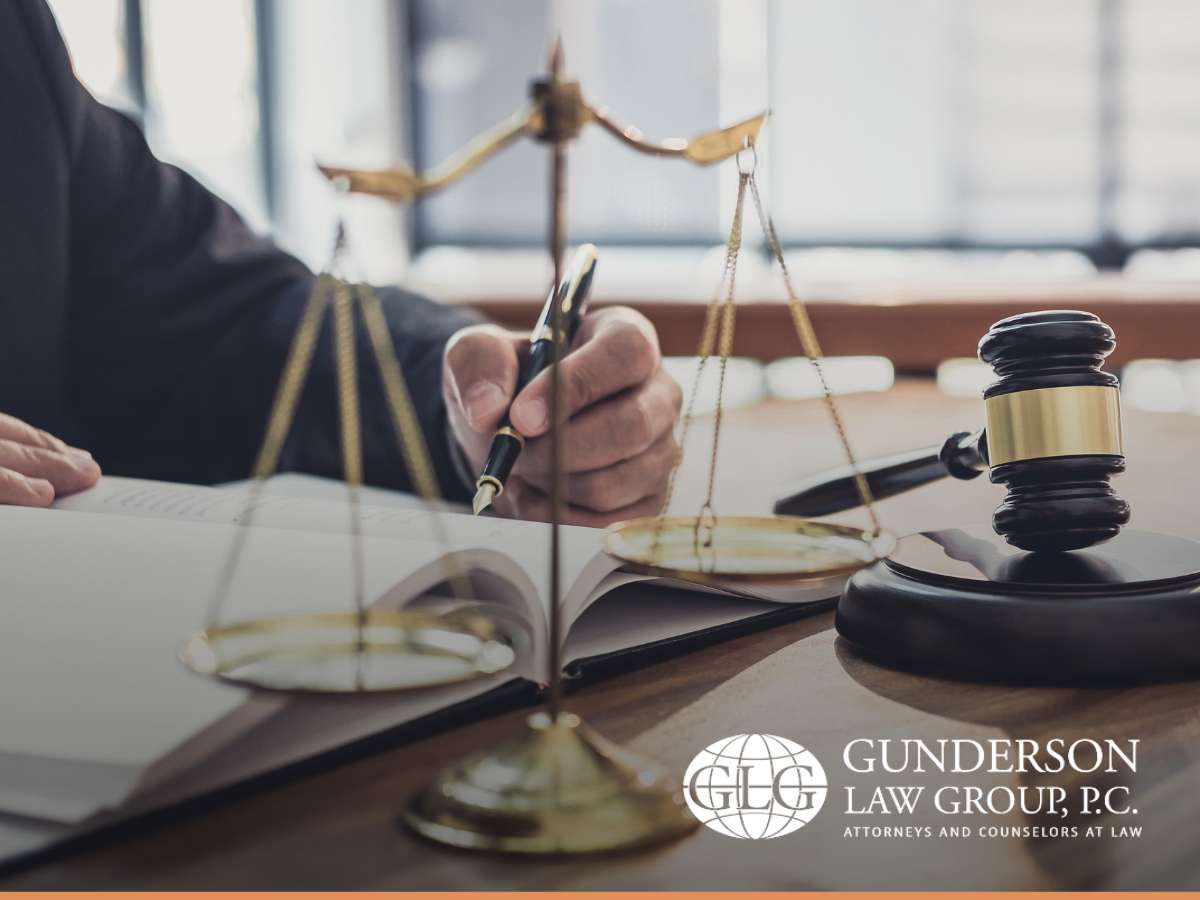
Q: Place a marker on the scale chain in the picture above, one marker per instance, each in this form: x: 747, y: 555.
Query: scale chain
x: 329, y: 290
x: 808, y: 341
x: 400, y: 405
x: 725, y: 345
x: 717, y: 334
x: 283, y: 411
x: 411, y: 439
x: 708, y: 342
x: 351, y: 439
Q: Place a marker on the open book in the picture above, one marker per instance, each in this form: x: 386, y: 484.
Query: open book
x: 100, y: 720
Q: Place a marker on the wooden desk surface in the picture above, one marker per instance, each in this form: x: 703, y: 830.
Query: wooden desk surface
x: 337, y: 829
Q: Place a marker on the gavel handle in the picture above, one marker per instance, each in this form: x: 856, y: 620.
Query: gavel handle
x: 962, y: 455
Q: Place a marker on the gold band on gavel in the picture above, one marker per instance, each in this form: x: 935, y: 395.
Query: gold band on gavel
x: 1059, y: 421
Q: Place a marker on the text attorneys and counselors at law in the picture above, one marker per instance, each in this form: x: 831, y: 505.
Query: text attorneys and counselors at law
x: 146, y: 324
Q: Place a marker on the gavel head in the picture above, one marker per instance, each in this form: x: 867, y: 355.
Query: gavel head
x: 1054, y: 430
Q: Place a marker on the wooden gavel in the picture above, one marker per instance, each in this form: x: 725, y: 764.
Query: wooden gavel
x: 1053, y: 438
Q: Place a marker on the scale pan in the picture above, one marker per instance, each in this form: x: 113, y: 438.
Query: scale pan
x: 326, y: 653
x: 743, y: 548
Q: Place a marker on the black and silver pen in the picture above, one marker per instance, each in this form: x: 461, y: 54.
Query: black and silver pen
x: 507, y: 443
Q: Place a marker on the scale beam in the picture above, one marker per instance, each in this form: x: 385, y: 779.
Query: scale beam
x: 703, y: 149
x: 557, y: 113
x: 404, y: 185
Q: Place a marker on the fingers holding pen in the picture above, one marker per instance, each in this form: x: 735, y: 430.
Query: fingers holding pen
x: 615, y: 349
x: 620, y: 428
x: 481, y: 369
x: 614, y: 487
x: 619, y: 409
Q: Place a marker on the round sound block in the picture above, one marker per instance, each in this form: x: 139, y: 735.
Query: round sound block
x: 963, y: 603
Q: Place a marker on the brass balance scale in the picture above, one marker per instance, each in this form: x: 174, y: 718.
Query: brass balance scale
x: 556, y: 786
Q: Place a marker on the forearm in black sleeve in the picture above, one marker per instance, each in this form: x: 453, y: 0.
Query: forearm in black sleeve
x: 181, y: 319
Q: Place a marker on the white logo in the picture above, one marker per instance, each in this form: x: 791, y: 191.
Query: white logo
x: 754, y: 786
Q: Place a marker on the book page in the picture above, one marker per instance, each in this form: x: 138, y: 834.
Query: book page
x: 196, y: 503
x: 318, y: 487
x: 528, y: 543
x: 95, y: 608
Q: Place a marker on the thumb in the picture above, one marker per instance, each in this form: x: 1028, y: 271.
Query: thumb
x: 480, y: 374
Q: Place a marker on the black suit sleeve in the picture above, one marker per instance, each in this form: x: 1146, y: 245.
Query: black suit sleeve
x: 181, y: 319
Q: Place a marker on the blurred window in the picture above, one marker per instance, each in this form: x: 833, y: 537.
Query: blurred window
x: 243, y: 94
x: 940, y: 124
x: 189, y: 72
x: 930, y: 123
x: 202, y: 95
x: 97, y: 33
x: 654, y: 65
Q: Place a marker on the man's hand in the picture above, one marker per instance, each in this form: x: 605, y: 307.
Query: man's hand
x: 620, y: 406
x: 35, y: 467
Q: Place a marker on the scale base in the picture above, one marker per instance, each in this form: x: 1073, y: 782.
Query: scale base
x: 555, y: 788
x: 963, y: 603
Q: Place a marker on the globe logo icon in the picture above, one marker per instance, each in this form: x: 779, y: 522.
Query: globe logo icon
x: 754, y: 786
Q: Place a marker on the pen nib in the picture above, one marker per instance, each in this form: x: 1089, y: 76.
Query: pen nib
x: 483, y: 497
